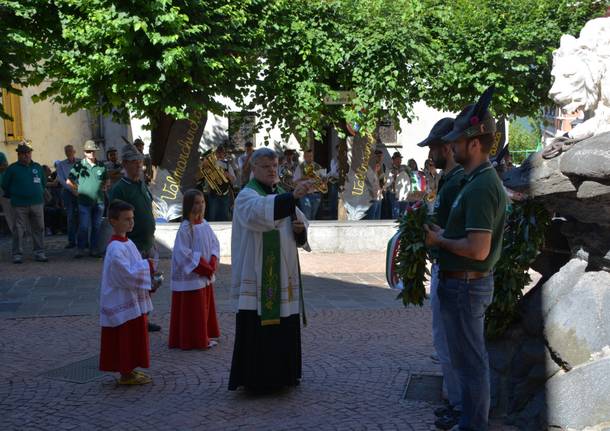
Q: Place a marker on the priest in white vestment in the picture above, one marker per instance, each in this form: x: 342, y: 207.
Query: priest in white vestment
x: 266, y: 281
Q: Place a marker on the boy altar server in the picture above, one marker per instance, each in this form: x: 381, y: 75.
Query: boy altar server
x: 125, y: 301
x: 266, y: 281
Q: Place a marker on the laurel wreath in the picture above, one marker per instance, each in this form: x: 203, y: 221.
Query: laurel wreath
x: 410, y: 261
x: 524, y: 233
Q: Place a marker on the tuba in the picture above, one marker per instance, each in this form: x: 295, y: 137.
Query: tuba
x: 213, y: 175
x: 319, y: 184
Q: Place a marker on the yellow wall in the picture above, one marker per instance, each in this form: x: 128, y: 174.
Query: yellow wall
x: 48, y: 128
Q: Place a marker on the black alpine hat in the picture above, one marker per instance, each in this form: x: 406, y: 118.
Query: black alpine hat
x: 23, y: 147
x: 474, y: 120
x: 440, y: 129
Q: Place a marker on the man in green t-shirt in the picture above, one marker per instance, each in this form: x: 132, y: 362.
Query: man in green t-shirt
x: 89, y: 178
x: 448, y: 187
x: 133, y: 190
x: 24, y: 183
x: 470, y: 245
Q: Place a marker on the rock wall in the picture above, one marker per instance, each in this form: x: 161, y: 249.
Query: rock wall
x: 552, y: 368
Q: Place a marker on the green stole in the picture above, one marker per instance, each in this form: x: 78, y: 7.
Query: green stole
x: 271, y: 283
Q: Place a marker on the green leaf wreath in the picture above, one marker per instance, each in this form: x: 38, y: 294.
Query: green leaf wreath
x: 410, y: 261
x: 524, y: 233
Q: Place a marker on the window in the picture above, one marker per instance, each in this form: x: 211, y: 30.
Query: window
x: 13, y: 129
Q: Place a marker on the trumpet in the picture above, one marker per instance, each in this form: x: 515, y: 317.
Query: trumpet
x: 212, y: 174
x: 319, y: 184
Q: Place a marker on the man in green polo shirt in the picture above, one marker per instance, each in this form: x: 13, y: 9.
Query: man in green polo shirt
x: 470, y: 245
x: 133, y: 190
x: 448, y: 188
x: 89, y: 178
x: 24, y: 183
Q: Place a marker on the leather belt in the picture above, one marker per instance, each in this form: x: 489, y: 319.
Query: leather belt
x: 464, y: 275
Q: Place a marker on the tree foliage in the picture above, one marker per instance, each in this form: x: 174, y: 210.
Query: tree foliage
x: 508, y: 44
x: 312, y: 48
x: 27, y: 26
x: 150, y: 57
x: 166, y: 57
x: 522, y: 140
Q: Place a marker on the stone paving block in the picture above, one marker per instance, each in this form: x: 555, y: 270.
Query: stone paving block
x: 47, y: 282
x: 15, y: 294
x: 9, y: 306
x: 358, y: 349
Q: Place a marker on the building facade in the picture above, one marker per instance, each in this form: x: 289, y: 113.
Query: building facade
x: 49, y: 129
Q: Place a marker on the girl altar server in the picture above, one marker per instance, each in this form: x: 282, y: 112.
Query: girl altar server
x: 125, y: 301
x: 193, y: 321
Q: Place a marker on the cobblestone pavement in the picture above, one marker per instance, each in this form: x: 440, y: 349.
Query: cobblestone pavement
x: 358, y: 352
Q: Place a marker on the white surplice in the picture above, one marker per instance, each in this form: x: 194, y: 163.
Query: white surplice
x: 252, y: 216
x: 126, y: 283
x: 192, y: 243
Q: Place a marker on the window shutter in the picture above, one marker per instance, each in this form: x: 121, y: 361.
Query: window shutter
x: 13, y: 129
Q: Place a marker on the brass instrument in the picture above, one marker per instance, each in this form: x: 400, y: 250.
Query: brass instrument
x: 286, y: 175
x: 319, y: 184
x: 213, y: 175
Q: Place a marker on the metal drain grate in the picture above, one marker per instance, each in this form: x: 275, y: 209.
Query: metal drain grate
x: 77, y: 372
x: 424, y: 387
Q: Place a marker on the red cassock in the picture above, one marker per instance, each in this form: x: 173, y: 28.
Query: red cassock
x: 125, y: 347
x: 194, y: 261
x: 193, y: 319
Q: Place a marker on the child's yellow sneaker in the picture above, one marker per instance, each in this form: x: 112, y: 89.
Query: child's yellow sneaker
x: 140, y: 373
x: 135, y: 379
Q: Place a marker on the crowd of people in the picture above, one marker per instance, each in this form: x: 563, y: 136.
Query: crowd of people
x: 266, y: 286
x: 75, y: 192
x: 464, y: 235
x: 70, y: 198
x: 276, y: 196
x: 391, y: 188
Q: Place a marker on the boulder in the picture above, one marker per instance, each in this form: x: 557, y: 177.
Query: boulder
x: 578, y: 324
x: 589, y: 158
x: 590, y: 241
x: 580, y: 398
x: 593, y: 190
x: 539, y: 177
x: 559, y: 285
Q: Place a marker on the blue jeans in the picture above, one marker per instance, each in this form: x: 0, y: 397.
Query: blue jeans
x: 89, y: 218
x: 71, y: 207
x: 451, y: 383
x: 374, y: 211
x: 309, y: 204
x: 333, y: 196
x: 463, y: 304
x: 218, y: 207
x: 388, y: 205
x: 399, y: 208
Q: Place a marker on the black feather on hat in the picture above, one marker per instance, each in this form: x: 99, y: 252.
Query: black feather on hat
x: 474, y: 120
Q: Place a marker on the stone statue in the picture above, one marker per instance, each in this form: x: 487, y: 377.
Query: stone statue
x: 581, y: 72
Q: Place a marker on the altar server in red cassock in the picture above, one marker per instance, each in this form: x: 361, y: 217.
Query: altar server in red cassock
x: 193, y: 322
x: 125, y: 301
